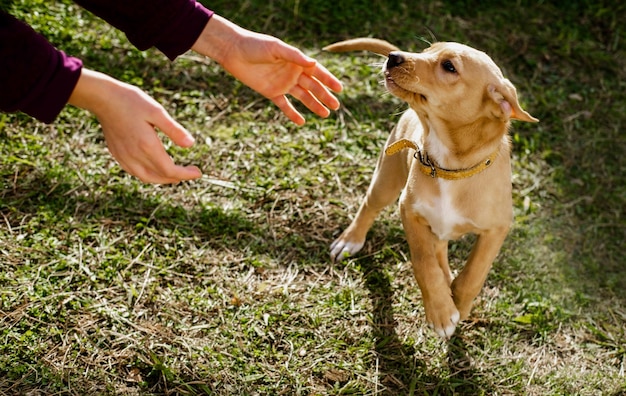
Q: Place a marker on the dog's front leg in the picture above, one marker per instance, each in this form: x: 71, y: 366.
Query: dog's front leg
x: 389, y: 178
x: 470, y: 281
x: 433, y: 277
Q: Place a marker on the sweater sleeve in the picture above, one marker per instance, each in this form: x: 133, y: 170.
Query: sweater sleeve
x: 38, y: 79
x: 35, y: 77
x: 172, y: 26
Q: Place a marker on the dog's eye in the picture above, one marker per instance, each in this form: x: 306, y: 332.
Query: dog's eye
x: 448, y: 66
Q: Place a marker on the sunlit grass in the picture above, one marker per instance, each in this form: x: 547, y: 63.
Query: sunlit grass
x: 224, y: 286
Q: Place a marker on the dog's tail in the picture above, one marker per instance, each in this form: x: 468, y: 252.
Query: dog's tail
x: 377, y: 46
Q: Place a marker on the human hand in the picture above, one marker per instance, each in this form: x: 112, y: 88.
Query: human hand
x: 128, y: 117
x: 270, y: 67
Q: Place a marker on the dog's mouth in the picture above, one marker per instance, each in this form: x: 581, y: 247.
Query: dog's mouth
x: 389, y: 81
x: 392, y: 85
x: 401, y: 92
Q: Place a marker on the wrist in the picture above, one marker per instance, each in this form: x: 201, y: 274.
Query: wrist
x: 87, y: 90
x: 93, y: 91
x: 217, y: 38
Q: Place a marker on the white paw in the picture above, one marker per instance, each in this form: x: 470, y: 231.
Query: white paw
x: 342, y: 248
x: 447, y: 331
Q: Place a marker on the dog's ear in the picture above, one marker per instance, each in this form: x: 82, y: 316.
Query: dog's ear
x: 505, y: 97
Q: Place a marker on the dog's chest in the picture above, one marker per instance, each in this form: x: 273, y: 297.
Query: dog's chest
x: 445, y: 218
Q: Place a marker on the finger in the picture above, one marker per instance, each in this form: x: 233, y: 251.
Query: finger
x: 160, y: 166
x: 164, y: 173
x: 319, y: 91
x: 322, y: 74
x: 310, y: 101
x: 158, y: 174
x: 152, y: 164
x: 290, y: 111
x: 310, y: 65
x: 172, y: 129
x: 181, y: 173
x: 175, y: 175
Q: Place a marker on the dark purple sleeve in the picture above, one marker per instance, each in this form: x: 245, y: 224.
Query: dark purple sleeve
x: 35, y: 77
x: 172, y: 26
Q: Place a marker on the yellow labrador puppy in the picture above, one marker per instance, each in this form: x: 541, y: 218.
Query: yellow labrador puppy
x: 448, y: 159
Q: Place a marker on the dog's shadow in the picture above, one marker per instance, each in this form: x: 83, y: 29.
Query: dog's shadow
x: 401, y: 369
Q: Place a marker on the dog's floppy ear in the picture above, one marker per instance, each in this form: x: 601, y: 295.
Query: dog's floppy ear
x: 376, y: 46
x: 505, y: 96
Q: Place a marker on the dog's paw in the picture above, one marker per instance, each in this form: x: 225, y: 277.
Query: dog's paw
x: 463, y: 301
x: 343, y: 248
x: 464, y: 309
x: 443, y: 320
x: 447, y: 331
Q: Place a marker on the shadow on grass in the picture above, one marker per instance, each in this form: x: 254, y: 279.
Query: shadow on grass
x: 402, y: 370
x: 117, y: 222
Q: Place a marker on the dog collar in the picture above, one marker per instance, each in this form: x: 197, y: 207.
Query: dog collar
x: 429, y: 168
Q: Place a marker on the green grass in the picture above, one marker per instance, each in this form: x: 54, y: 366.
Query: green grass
x: 223, y: 285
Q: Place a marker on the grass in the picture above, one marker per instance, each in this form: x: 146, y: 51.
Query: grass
x: 223, y: 285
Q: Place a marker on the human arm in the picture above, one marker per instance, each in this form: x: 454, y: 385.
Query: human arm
x: 37, y: 79
x: 264, y: 63
x: 40, y: 80
x: 171, y: 26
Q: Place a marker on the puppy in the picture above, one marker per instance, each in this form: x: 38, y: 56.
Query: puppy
x: 448, y: 160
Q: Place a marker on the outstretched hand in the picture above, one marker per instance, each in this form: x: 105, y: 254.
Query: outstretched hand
x: 270, y: 67
x: 128, y: 117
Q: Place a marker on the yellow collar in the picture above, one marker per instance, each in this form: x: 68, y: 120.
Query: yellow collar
x: 429, y: 168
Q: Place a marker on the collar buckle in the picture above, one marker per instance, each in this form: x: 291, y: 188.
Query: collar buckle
x: 425, y: 160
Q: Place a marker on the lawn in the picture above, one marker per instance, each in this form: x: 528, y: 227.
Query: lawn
x: 223, y: 286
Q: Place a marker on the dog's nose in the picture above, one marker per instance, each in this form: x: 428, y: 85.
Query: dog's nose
x: 394, y: 59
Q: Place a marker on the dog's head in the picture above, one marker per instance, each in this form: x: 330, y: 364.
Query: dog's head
x: 447, y: 81
x: 454, y: 82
